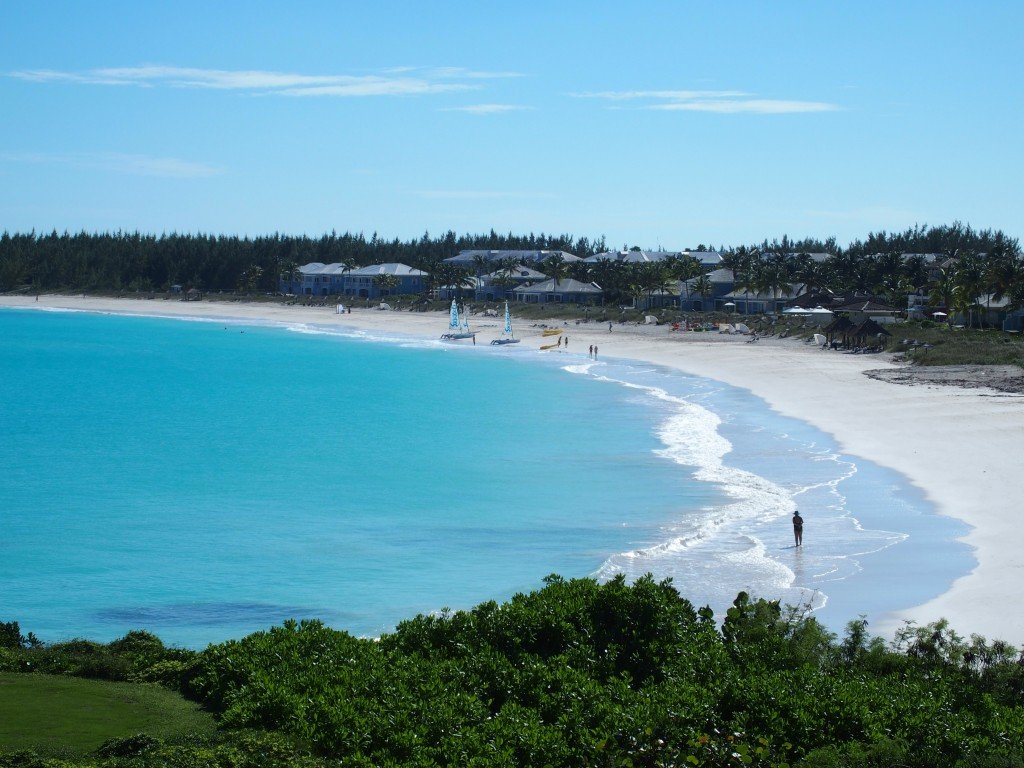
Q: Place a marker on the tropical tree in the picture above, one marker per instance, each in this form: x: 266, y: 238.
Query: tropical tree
x: 807, y: 272
x: 748, y: 281
x: 448, y: 275
x: 703, y: 287
x: 970, y: 284
x: 1002, y: 269
x: 481, y: 264
x: 943, y: 291
x: 250, y: 278
x: 386, y: 283
x: 555, y: 269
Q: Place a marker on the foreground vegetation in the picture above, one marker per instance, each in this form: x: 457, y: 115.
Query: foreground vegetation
x: 576, y: 674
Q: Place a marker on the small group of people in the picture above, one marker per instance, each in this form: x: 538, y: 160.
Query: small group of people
x: 593, y: 351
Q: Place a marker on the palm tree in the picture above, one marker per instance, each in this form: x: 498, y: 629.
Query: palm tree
x: 290, y: 272
x: 386, y: 283
x: 555, y: 269
x: 750, y: 283
x: 703, y: 287
x: 969, y: 283
x: 1002, y: 270
x: 448, y: 275
x: 481, y: 264
x: 653, y: 277
x: 773, y: 279
x: 943, y: 291
x: 347, y: 265
x: 806, y: 271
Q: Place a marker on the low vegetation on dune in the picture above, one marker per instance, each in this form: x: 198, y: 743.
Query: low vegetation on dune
x: 577, y: 673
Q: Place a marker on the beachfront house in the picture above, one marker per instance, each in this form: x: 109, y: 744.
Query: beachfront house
x: 989, y: 311
x: 715, y: 285
x: 769, y: 302
x: 365, y: 282
x: 481, y: 260
x: 501, y: 285
x: 469, y: 288
x: 709, y: 260
x: 566, y: 291
x: 315, y: 279
x: 866, y: 308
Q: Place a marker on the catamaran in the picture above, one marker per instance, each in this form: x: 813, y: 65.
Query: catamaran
x: 506, y: 335
x: 458, y: 330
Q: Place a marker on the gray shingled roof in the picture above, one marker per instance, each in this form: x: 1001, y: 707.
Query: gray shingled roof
x: 716, y: 276
x: 520, y: 272
x: 562, y: 286
x: 400, y: 270
x: 317, y: 268
x: 522, y: 257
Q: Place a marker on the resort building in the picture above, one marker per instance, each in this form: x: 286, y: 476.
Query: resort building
x: 566, y: 291
x: 719, y: 281
x: 503, y: 283
x: 708, y: 259
x: 759, y: 302
x: 477, y: 257
x: 366, y: 282
x: 316, y: 279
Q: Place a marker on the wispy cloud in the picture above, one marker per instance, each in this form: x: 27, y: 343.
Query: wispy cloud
x: 454, y: 72
x: 402, y: 81
x: 480, y: 194
x: 722, y: 102
x: 118, y: 162
x: 487, y: 109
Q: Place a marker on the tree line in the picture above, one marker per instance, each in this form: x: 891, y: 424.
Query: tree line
x: 954, y: 263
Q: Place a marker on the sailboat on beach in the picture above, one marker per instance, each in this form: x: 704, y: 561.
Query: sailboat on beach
x: 458, y: 330
x: 506, y: 335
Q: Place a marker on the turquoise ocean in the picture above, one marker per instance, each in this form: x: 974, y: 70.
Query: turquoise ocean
x: 205, y: 479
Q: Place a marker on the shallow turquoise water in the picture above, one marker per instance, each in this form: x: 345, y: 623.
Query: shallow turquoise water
x: 205, y: 480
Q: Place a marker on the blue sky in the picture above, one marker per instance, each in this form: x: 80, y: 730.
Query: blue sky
x: 667, y: 124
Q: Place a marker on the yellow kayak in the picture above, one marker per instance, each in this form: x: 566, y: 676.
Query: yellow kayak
x: 551, y: 346
x: 551, y: 332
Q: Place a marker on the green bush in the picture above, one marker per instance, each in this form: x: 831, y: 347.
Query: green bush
x: 581, y: 673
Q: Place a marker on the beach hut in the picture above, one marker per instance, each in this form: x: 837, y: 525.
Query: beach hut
x: 841, y: 326
x: 865, y: 330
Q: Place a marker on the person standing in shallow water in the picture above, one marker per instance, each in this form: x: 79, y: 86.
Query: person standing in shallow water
x: 798, y: 528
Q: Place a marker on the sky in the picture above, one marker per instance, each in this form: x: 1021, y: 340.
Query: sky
x: 668, y: 124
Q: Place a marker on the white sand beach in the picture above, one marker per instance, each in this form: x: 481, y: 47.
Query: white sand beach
x: 957, y: 445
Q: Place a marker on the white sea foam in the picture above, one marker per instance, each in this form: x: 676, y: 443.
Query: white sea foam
x: 721, y: 548
x: 692, y: 439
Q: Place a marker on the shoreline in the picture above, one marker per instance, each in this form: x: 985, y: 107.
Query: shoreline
x: 954, y: 445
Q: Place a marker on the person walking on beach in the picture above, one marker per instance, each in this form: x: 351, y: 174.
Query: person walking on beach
x: 609, y: 327
x: 798, y: 528
x: 595, y: 351
x: 590, y: 353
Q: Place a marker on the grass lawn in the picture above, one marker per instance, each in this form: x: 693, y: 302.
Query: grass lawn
x: 67, y: 716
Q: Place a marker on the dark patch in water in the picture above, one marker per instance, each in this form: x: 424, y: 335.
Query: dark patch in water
x: 212, y: 614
